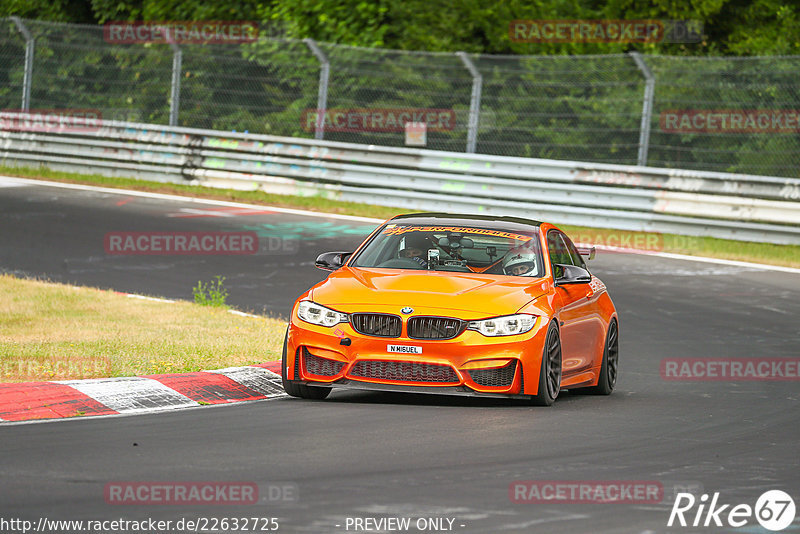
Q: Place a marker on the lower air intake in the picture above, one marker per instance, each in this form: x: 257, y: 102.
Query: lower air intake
x: 320, y: 366
x: 495, y: 378
x: 404, y: 371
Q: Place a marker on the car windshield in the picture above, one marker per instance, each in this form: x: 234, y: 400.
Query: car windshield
x: 453, y: 248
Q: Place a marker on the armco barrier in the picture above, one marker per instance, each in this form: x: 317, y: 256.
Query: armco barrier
x: 731, y: 206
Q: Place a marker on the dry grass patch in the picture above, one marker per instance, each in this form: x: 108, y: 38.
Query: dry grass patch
x: 55, y: 332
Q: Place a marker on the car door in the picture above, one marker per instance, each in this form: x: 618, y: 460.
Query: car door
x: 578, y: 316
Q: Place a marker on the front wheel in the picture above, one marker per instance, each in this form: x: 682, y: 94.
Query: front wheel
x: 292, y: 388
x: 550, y: 372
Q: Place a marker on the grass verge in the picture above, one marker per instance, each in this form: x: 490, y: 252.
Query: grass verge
x: 784, y: 255
x: 59, y: 332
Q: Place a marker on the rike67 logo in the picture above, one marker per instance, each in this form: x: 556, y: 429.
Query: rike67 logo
x: 774, y: 510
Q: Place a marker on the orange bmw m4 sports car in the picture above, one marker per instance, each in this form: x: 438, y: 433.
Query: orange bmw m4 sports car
x: 459, y: 305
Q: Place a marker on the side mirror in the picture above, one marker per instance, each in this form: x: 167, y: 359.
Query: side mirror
x: 570, y: 274
x: 330, y: 261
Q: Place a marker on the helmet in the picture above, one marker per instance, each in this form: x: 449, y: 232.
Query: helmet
x: 517, y: 258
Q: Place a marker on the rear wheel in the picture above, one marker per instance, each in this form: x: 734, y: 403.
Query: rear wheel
x: 292, y: 387
x: 550, y: 372
x: 608, y: 369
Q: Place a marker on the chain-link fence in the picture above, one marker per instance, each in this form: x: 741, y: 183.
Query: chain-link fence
x: 604, y: 108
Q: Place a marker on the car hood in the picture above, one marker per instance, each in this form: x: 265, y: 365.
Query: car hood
x: 482, y: 295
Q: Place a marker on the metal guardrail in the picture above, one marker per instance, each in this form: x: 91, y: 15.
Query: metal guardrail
x: 731, y: 206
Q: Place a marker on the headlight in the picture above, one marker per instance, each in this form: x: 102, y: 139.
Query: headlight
x: 507, y: 325
x: 313, y: 313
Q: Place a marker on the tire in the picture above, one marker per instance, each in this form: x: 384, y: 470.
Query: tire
x: 313, y: 392
x: 608, y: 369
x: 550, y: 371
x: 292, y: 388
x: 288, y: 385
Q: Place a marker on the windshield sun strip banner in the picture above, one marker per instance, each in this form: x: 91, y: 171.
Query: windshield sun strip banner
x: 400, y: 230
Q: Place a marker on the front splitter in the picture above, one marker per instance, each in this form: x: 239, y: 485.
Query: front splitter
x: 462, y: 391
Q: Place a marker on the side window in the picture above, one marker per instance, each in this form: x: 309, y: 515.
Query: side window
x: 577, y: 259
x: 558, y: 251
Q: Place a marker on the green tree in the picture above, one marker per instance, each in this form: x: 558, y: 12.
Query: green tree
x: 739, y: 27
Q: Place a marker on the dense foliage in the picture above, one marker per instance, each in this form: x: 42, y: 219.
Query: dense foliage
x: 732, y: 27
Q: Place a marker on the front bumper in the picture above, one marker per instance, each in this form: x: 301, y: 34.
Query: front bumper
x: 469, y: 364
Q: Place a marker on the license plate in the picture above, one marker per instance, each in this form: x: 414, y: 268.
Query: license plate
x: 404, y: 349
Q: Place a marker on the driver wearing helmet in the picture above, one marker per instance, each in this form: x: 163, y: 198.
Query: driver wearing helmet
x: 520, y: 262
x: 413, y: 247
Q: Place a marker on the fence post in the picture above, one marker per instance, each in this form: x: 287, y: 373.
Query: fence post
x: 322, y: 95
x: 647, y: 107
x: 474, y: 102
x: 175, y: 86
x: 27, y: 80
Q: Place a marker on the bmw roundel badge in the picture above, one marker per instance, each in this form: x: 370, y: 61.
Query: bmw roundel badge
x: 407, y: 310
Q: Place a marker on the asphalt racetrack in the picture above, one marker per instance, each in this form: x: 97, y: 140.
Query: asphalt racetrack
x: 375, y: 455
